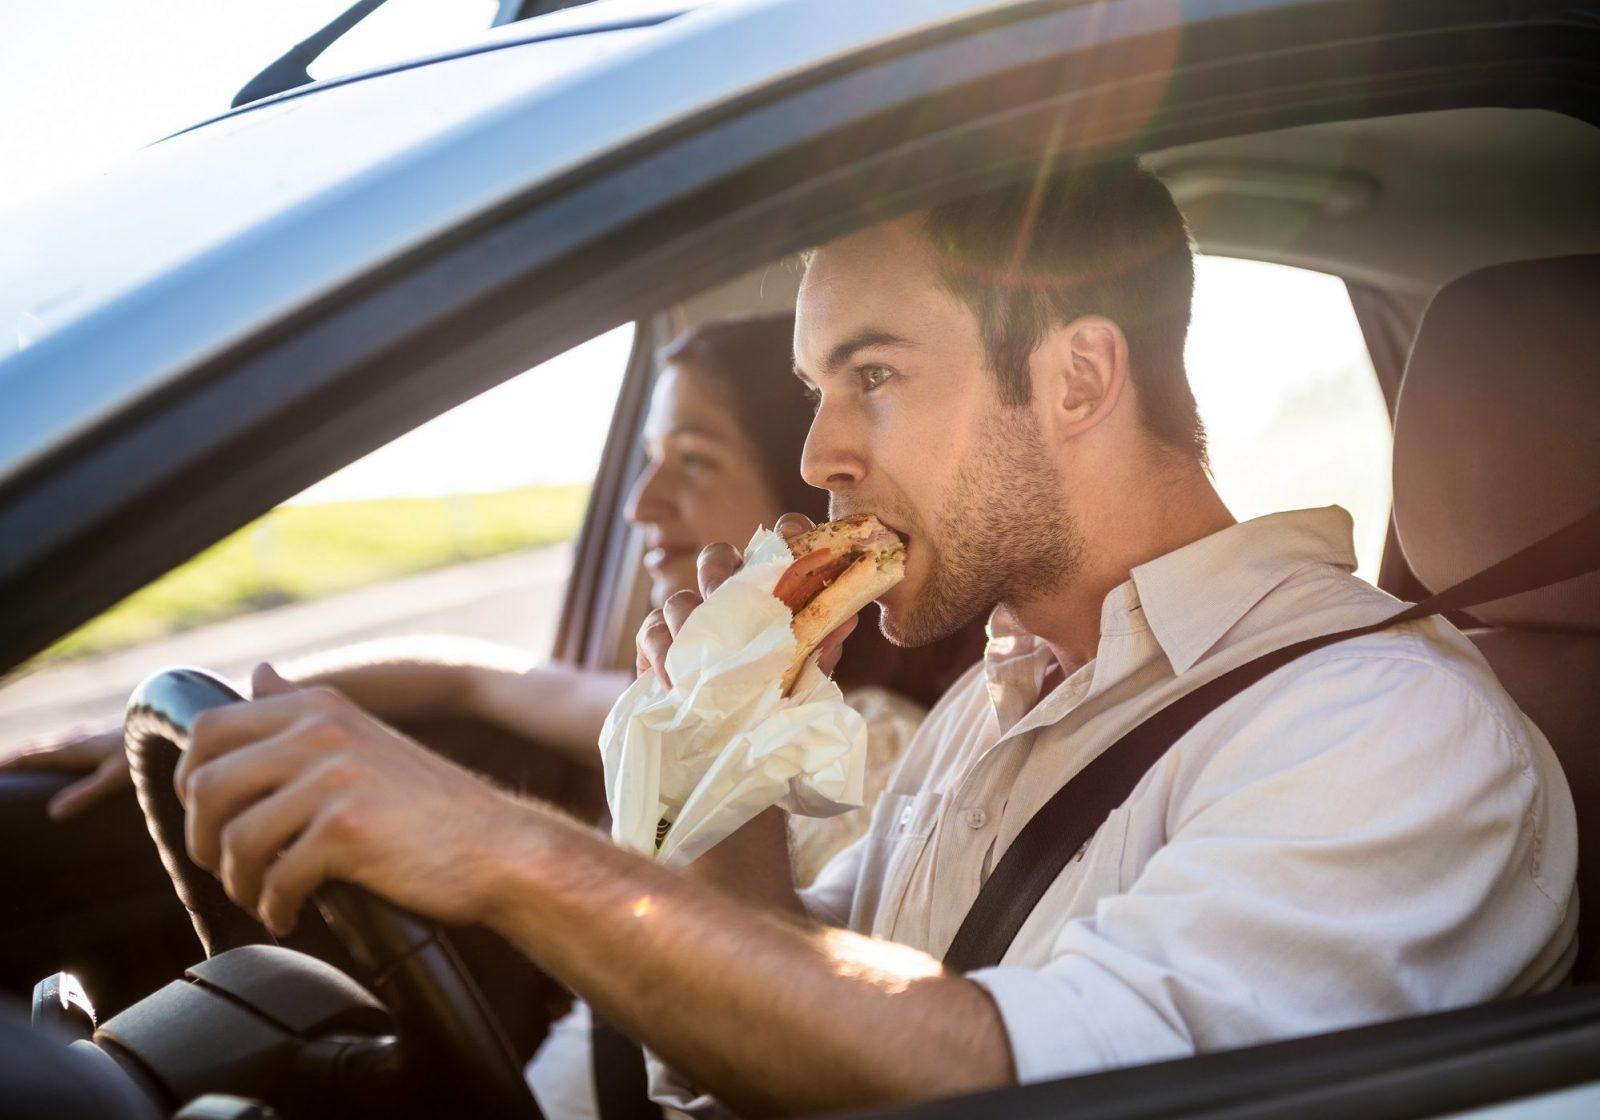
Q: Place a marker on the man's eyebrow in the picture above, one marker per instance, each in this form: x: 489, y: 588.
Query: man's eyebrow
x: 861, y: 340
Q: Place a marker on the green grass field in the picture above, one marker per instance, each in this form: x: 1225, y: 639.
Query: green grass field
x: 304, y: 551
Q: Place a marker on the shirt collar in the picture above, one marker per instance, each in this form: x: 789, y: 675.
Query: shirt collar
x: 1194, y: 595
x: 1188, y: 599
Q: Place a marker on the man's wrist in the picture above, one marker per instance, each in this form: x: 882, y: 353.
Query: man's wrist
x: 537, y: 839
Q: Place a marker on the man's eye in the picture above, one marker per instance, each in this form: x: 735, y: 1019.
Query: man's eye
x: 812, y: 394
x: 874, y: 377
x: 693, y: 460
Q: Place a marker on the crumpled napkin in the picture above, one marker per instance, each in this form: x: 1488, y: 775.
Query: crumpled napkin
x: 722, y: 745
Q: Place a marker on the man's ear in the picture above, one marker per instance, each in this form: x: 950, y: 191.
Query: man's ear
x: 1082, y: 374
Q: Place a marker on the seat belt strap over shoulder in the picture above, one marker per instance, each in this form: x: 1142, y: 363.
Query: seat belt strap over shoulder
x: 1072, y: 816
x: 1075, y: 812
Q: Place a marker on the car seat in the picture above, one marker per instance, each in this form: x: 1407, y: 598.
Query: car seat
x: 1497, y: 443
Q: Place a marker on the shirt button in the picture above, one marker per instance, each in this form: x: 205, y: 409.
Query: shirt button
x: 976, y: 818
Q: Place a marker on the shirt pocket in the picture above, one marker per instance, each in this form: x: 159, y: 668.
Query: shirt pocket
x: 901, y: 824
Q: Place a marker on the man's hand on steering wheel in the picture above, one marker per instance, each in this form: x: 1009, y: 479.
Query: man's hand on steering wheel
x: 290, y: 790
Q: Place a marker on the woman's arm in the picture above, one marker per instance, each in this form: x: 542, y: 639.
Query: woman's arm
x: 561, y: 706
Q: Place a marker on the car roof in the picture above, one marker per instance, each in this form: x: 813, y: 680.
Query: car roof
x: 122, y: 282
x: 586, y: 19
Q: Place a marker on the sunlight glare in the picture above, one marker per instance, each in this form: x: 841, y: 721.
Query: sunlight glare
x: 888, y: 966
x: 1291, y: 404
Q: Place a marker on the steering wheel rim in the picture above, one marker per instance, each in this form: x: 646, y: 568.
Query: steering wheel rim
x: 446, y: 1025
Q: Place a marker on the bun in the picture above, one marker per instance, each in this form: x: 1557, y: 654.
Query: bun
x: 824, y: 596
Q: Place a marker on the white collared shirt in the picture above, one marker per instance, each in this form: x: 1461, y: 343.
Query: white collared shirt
x: 1373, y: 831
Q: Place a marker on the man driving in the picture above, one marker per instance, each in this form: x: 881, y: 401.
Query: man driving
x: 1375, y: 831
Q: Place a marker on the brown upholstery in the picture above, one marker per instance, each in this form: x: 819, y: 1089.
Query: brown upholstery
x: 1497, y: 442
x: 1497, y: 431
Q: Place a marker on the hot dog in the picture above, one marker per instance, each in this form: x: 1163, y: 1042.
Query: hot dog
x: 839, y: 567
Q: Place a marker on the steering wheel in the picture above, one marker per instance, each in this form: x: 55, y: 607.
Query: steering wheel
x: 446, y: 1027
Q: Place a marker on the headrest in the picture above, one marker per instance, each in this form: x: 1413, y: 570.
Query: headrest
x: 1497, y: 431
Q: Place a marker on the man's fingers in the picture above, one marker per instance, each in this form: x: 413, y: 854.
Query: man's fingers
x: 267, y: 681
x: 300, y: 869
x: 791, y: 525
x: 217, y: 731
x: 110, y: 776
x: 831, y: 648
x: 652, y: 643
x: 249, y: 844
x: 677, y: 610
x: 222, y: 789
x: 655, y: 636
x: 716, y: 563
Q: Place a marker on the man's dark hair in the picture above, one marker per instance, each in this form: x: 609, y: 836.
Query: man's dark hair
x: 1104, y: 240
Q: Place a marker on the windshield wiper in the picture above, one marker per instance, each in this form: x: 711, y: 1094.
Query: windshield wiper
x: 291, y: 71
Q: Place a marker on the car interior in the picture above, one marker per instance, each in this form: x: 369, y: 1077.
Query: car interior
x: 1399, y: 207
x: 1469, y: 241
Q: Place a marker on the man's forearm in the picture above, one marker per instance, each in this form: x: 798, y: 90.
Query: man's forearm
x: 766, y: 1014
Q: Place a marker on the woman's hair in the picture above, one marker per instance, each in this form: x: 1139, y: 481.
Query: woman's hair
x: 749, y: 362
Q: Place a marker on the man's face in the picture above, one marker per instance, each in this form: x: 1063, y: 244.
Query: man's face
x: 910, y: 427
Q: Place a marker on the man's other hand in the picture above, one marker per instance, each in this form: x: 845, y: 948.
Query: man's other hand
x: 287, y: 792
x: 717, y: 562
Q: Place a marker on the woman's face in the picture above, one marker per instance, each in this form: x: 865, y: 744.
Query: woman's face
x: 703, y: 482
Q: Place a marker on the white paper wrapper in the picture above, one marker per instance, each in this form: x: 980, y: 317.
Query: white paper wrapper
x: 721, y: 745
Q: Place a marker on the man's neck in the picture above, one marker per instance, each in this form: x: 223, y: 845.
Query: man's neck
x: 1133, y: 525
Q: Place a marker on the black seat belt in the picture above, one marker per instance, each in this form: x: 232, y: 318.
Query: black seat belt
x: 1050, y: 839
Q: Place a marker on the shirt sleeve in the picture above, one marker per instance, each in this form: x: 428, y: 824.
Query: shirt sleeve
x: 561, y: 1073
x: 1369, y: 848
x: 674, y: 1093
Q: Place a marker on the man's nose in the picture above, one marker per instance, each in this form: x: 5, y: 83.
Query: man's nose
x: 834, y: 456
